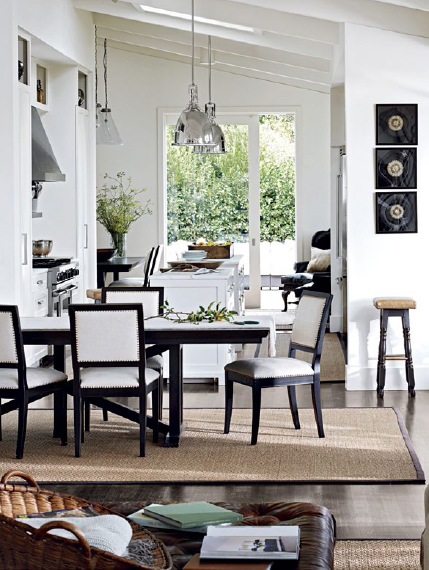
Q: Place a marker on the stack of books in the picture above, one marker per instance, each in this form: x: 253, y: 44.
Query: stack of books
x: 227, y: 544
x: 194, y: 517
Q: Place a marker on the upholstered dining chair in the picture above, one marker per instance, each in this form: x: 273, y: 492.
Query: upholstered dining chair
x: 307, y: 335
x: 152, y: 299
x: 22, y: 385
x: 109, y: 359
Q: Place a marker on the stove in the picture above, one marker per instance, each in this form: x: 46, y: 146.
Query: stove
x: 63, y: 282
x: 50, y: 261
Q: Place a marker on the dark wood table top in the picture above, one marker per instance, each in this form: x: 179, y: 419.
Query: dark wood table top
x: 120, y: 263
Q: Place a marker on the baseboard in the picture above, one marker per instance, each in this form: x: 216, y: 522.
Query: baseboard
x: 365, y: 378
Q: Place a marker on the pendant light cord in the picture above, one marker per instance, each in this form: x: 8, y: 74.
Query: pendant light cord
x: 210, y: 69
x: 105, y: 71
x: 96, y: 74
x: 193, y: 40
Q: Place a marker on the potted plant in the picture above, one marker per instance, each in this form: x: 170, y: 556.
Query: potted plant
x: 118, y: 206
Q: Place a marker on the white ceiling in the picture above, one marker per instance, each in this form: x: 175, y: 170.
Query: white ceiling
x: 294, y: 42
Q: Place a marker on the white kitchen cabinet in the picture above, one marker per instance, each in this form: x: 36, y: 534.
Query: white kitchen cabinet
x: 39, y: 308
x: 186, y: 292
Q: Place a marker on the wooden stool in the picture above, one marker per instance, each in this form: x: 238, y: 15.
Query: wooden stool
x: 395, y: 307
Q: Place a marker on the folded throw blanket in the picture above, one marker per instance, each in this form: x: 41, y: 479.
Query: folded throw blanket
x: 107, y: 532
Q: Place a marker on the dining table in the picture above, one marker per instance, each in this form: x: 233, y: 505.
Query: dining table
x: 116, y: 265
x: 159, y: 332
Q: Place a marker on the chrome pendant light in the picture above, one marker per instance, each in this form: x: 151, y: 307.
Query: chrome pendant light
x: 219, y: 146
x: 107, y: 133
x: 193, y: 128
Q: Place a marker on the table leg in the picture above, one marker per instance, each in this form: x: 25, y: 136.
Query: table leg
x: 115, y: 275
x: 59, y: 364
x: 100, y: 278
x: 175, y: 396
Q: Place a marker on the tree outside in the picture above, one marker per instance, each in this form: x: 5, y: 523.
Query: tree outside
x: 207, y: 195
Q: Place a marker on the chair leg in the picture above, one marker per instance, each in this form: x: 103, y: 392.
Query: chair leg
x: 229, y: 394
x: 87, y: 407
x: 22, y: 427
x: 155, y: 412
x: 105, y: 415
x: 63, y: 424
x: 161, y: 392
x: 57, y: 413
x: 256, y: 397
x: 293, y: 406
x: 142, y: 421
x: 77, y: 406
x: 317, y: 406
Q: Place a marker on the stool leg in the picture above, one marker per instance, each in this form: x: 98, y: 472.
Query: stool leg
x: 381, y: 368
x: 409, y: 367
x: 285, y: 295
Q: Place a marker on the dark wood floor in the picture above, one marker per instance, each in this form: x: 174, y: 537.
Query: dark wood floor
x: 361, y: 511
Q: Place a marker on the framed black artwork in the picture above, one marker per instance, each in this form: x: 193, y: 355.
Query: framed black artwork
x: 396, y: 212
x: 396, y: 168
x: 397, y: 125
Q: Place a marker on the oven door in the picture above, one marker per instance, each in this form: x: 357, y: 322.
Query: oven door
x: 62, y: 298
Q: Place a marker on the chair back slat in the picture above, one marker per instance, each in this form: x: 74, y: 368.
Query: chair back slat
x: 156, y: 260
x: 107, y: 334
x: 152, y: 298
x: 148, y: 262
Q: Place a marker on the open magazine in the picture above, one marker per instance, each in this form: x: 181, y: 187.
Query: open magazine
x: 251, y: 542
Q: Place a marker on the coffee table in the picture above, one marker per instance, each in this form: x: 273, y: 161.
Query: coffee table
x: 316, y: 523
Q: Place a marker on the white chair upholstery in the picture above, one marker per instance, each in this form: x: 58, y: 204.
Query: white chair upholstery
x: 307, y: 321
x: 97, y: 336
x: 35, y: 377
x: 8, y: 353
x: 270, y: 367
x: 155, y: 362
x: 149, y: 299
x: 114, y: 377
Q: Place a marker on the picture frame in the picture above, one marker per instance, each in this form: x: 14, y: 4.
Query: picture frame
x: 397, y: 124
x: 396, y: 168
x: 396, y: 212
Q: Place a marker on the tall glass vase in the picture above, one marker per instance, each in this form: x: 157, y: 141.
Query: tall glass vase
x: 118, y: 241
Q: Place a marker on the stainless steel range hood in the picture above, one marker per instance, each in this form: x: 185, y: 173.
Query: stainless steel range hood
x: 45, y: 166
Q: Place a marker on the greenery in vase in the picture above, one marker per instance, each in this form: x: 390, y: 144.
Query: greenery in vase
x: 211, y: 314
x: 118, y: 204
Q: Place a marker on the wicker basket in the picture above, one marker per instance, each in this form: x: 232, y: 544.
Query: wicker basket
x: 24, y: 548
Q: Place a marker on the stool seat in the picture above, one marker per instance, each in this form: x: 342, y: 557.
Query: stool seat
x: 93, y: 294
x: 394, y: 303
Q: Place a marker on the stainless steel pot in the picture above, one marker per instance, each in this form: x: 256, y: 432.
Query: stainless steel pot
x: 42, y: 247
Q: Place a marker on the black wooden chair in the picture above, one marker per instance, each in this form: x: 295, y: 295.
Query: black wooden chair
x: 22, y: 385
x: 307, y: 335
x: 109, y: 360
x: 151, y: 265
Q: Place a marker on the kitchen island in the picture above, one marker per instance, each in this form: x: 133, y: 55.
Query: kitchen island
x: 186, y: 292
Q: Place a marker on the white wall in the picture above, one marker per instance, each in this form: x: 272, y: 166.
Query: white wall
x: 139, y: 85
x: 10, y: 259
x: 61, y: 26
x: 386, y: 68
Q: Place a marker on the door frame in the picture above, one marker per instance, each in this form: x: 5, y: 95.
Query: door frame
x: 235, y: 115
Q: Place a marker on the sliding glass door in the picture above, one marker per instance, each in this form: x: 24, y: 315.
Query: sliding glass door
x: 218, y: 197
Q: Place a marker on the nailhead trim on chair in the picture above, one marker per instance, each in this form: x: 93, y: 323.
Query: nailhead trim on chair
x: 14, y: 341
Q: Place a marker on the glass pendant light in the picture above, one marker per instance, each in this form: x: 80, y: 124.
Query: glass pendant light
x: 218, y: 136
x: 107, y: 133
x: 194, y: 127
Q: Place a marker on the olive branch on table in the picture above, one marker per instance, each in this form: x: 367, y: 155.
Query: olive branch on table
x: 211, y: 314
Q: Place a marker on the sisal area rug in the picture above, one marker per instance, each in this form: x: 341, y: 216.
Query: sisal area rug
x: 362, y: 445
x: 377, y: 555
x: 332, y: 362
